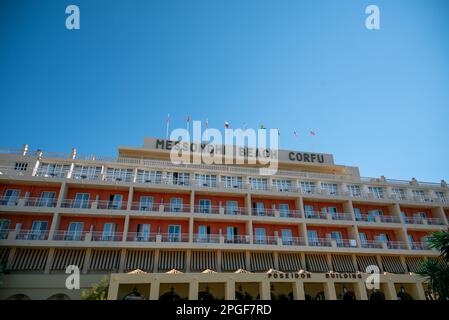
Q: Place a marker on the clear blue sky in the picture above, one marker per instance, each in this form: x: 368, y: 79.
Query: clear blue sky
x: 376, y: 99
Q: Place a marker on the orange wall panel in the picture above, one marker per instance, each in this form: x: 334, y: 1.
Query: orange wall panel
x: 322, y: 231
x: 366, y: 208
x: 102, y: 193
x: 25, y: 219
x: 35, y: 191
x: 268, y: 203
x: 372, y: 233
x: 97, y: 223
x: 162, y: 197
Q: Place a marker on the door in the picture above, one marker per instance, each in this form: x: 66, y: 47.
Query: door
x: 203, y: 233
x: 176, y: 204
x: 81, y: 200
x: 75, y: 231
x: 231, y: 234
x: 109, y: 230
x: 284, y: 209
x: 313, y: 237
x: 47, y: 199
x: 10, y: 197
x: 143, y: 232
x: 38, y: 230
x: 337, y: 236
x: 308, y: 209
x: 358, y: 214
x: 4, y: 229
x: 287, y: 237
x: 146, y: 203
x: 205, y: 206
x: 174, y: 233
x: 115, y: 201
x: 261, y: 236
x: 260, y: 208
x: 232, y: 207
x: 363, y: 238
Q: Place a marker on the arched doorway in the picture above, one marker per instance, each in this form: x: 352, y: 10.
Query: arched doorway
x: 19, y: 296
x: 59, y: 296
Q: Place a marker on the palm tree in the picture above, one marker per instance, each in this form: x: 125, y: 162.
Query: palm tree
x: 437, y: 272
x: 99, y: 291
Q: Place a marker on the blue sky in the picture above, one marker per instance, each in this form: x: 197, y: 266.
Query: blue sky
x: 376, y: 99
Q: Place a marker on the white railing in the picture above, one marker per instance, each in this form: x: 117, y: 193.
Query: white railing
x: 420, y: 246
x: 141, y: 237
x: 65, y: 235
x: 237, y: 239
x: 174, y: 237
x: 263, y: 212
x: 206, y: 238
x: 31, y: 235
x: 107, y: 236
x: 267, y: 240
x: 341, y: 216
x: 320, y: 242
x: 316, y: 215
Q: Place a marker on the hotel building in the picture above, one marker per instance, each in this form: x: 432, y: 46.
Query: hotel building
x: 193, y: 230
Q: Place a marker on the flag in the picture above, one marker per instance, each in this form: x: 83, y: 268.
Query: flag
x: 295, y: 134
x: 207, y: 124
x: 226, y: 125
x: 312, y: 133
x: 279, y: 132
x: 262, y: 127
x: 168, y: 125
x: 188, y: 122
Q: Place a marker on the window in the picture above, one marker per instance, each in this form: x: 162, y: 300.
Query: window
x: 178, y: 178
x: 10, y: 197
x: 174, y: 233
x: 287, y: 236
x: 258, y: 183
x: 337, y: 236
x: 203, y: 233
x: 378, y: 192
x: 232, y: 207
x: 363, y: 238
x: 21, y: 166
x: 358, y: 214
x: 382, y: 237
x: 176, y: 204
x: 331, y: 188
x: 143, y: 231
x: 206, y: 180
x: 399, y: 193
x: 81, y: 200
x: 313, y: 237
x: 307, y: 186
x: 38, y: 230
x: 419, y: 195
x: 308, y: 209
x: 282, y: 185
x: 85, y: 172
x: 205, y: 206
x: 146, y: 203
x: 47, y: 199
x: 260, y: 235
x: 115, y: 201
x: 145, y: 176
x: 4, y: 228
x: 418, y: 217
x: 284, y: 209
x: 354, y: 190
x: 75, y: 231
x: 440, y: 196
x: 259, y: 208
x: 231, y: 233
x: 52, y: 170
x: 109, y: 230
x: 119, y: 174
x: 232, y: 182
x: 372, y: 214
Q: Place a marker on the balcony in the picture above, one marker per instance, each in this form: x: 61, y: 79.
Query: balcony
x: 376, y: 244
x: 265, y: 240
x: 9, y: 201
x: 293, y: 241
x: 341, y: 216
x: 378, y: 219
x: 420, y: 246
x: 93, y: 204
x: 174, y: 237
x: 64, y: 235
x: 316, y: 215
x: 159, y: 207
x: 206, y: 238
x: 107, y: 236
x: 141, y: 237
x: 236, y: 239
x: 30, y: 235
x: 260, y: 212
x: 290, y: 214
x: 235, y: 211
x: 204, y: 209
x: 371, y: 244
x: 320, y: 242
x: 422, y: 220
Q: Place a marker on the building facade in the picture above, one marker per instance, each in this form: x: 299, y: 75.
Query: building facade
x: 159, y: 229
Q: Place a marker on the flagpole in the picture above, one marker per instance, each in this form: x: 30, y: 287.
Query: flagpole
x: 168, y: 124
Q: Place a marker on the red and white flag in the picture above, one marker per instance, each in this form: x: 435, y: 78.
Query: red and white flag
x: 312, y: 133
x: 207, y: 124
x: 226, y: 125
x: 295, y: 133
x: 188, y: 122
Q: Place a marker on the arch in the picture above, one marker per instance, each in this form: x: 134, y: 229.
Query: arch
x: 19, y: 296
x: 59, y: 296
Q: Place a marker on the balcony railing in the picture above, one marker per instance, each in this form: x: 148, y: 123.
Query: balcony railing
x: 396, y: 245
x: 206, y: 238
x: 293, y: 241
x: 64, y: 235
x: 263, y: 212
x: 414, y: 220
x: 235, y: 211
x: 341, y: 216
x: 290, y: 214
x: 206, y: 209
x: 267, y: 240
x: 371, y: 244
x: 141, y: 237
x: 316, y: 215
x: 236, y: 239
x: 434, y: 221
x: 31, y: 235
x: 320, y: 242
x: 174, y: 237
x: 420, y: 246
x: 40, y: 202
x: 8, y: 201
x: 107, y: 236
x: 346, y: 243
x: 380, y: 218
